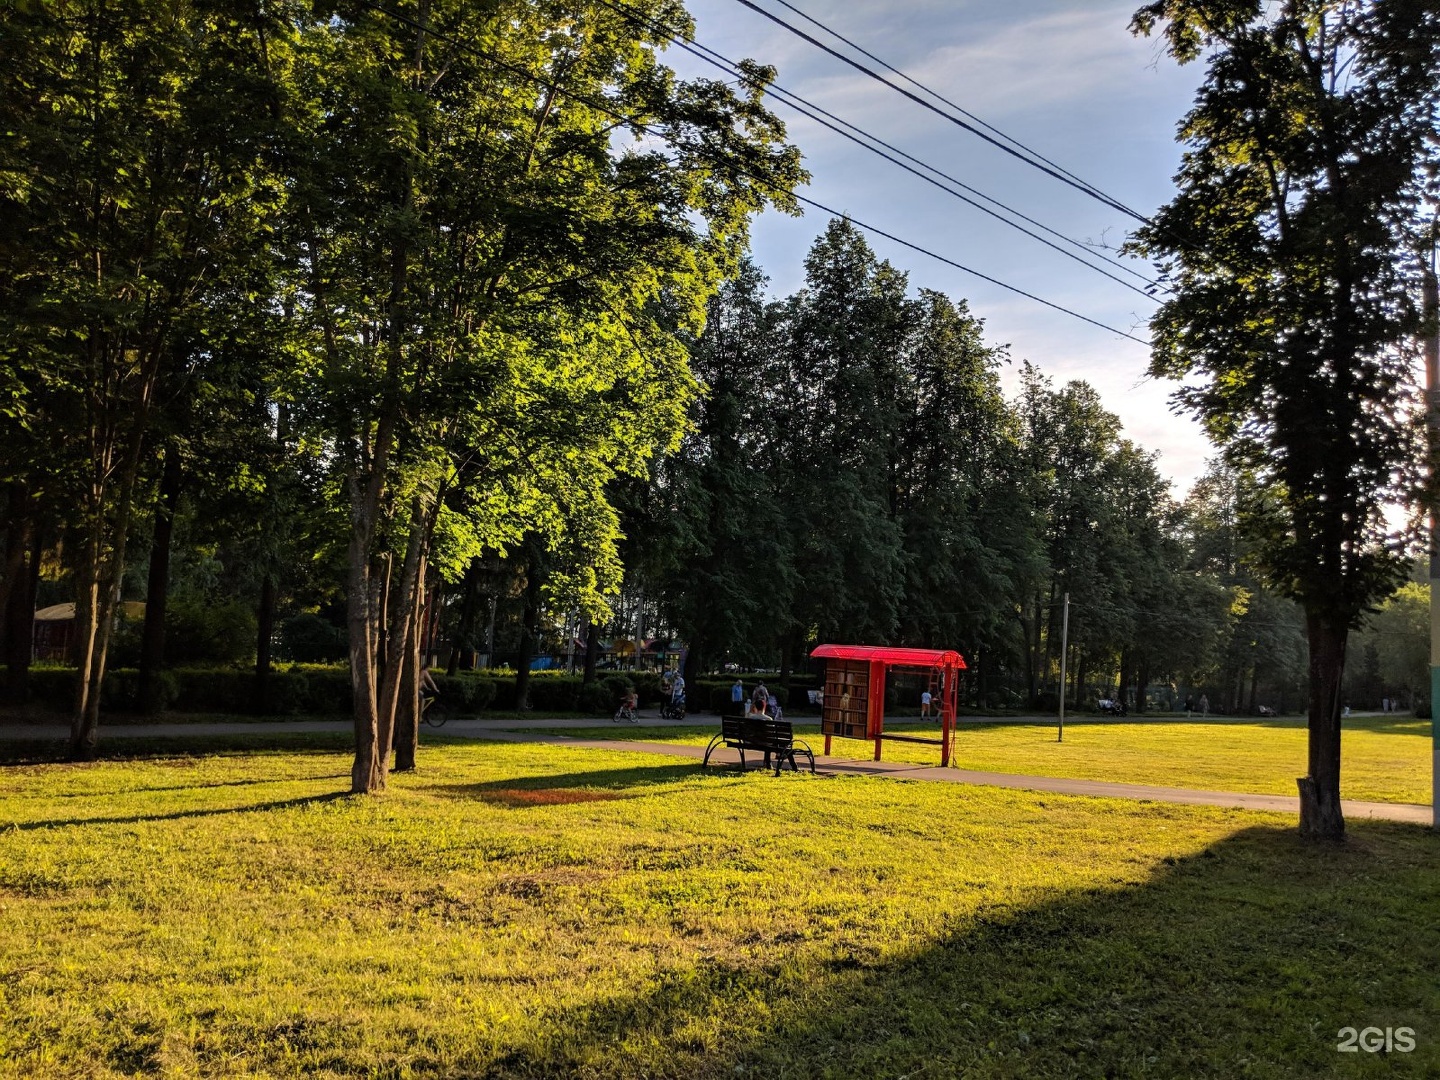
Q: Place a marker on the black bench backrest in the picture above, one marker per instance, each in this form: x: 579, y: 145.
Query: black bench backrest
x: 757, y: 730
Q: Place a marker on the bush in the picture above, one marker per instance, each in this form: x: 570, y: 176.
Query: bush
x: 120, y: 692
x: 53, y: 687
x: 647, y: 685
x: 197, y: 632
x: 558, y: 693
x: 327, y: 689
x: 464, y: 692
x: 288, y: 693
x: 599, y: 698
x: 717, y: 697
x: 214, y: 689
x: 309, y: 639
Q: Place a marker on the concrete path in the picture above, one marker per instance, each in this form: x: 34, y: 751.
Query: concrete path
x: 504, y: 731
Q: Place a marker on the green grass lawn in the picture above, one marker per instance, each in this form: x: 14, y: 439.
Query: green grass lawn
x: 518, y: 910
x: 1385, y: 759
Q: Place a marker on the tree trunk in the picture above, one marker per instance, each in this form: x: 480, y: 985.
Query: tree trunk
x: 691, y: 670
x: 152, y: 634
x: 1320, y: 815
x: 407, y: 720
x: 528, y: 634
x: 404, y: 636
x: 365, y: 772
x: 464, y: 638
x: 264, y: 632
x: 22, y: 575
x: 592, y: 650
x: 1142, y: 681
x: 98, y: 586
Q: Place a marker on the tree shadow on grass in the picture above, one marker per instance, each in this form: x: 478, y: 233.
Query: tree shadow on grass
x: 180, y: 815
x: 54, y: 752
x: 1243, y: 961
x: 111, y: 792
x: 553, y: 788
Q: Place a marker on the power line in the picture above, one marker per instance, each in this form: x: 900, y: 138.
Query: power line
x: 1109, y: 200
x: 1056, y: 173
x: 1035, y: 159
x: 809, y: 109
x: 639, y: 125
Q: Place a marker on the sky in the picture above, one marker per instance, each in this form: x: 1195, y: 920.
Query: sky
x: 1067, y: 79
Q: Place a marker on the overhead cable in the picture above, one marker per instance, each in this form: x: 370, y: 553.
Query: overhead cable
x: 1033, y: 162
x: 639, y: 125
x: 859, y: 136
x: 1107, y: 199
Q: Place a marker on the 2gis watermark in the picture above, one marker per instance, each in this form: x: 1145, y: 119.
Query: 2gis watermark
x: 1375, y: 1040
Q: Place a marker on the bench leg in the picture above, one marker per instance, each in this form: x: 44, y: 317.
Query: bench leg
x: 709, y: 749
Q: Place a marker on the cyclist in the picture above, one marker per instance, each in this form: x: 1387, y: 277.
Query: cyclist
x: 628, y: 704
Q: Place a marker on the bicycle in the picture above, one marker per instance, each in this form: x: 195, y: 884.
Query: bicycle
x: 434, y: 712
x: 626, y: 711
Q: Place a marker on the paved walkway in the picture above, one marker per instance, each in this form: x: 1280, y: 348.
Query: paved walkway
x: 540, y: 732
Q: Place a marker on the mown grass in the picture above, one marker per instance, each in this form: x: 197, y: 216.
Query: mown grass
x: 532, y: 911
x: 1384, y: 759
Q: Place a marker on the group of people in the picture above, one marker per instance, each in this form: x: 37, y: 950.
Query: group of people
x: 761, y: 703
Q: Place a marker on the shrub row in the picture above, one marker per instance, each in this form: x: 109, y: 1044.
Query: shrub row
x: 325, y: 689
x: 554, y: 691
x: 303, y: 688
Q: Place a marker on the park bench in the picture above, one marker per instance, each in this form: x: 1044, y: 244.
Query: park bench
x: 763, y: 734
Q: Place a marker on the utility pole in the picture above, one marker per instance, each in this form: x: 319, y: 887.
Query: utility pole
x: 1065, y: 652
x: 1431, y: 301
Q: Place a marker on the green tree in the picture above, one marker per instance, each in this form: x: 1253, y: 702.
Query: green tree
x: 845, y: 336
x: 483, y: 275
x: 1290, y: 252
x: 723, y: 560
x: 955, y: 433
x: 136, y: 173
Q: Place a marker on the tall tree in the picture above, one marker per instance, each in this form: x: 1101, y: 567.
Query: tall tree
x: 483, y: 266
x: 724, y: 568
x: 135, y: 174
x: 845, y: 336
x: 1291, y: 253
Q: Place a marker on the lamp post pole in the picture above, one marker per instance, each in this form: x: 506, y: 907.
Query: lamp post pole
x: 1064, y: 652
x: 1431, y: 301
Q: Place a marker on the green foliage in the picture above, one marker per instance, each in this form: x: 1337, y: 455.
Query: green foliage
x: 199, y: 631
x: 120, y: 692
x: 465, y: 692
x: 1292, y: 253
x: 309, y: 639
x: 1398, y: 635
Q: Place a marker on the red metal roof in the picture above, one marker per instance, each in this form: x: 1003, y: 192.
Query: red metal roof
x: 941, y: 658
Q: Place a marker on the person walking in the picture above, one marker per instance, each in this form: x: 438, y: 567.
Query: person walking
x: 737, y: 695
x: 925, y: 700
x: 1204, y: 707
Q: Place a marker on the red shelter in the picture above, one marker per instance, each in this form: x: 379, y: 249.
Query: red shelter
x: 853, y: 703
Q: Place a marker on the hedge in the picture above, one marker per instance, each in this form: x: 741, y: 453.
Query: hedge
x: 716, y: 696
x: 302, y: 688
